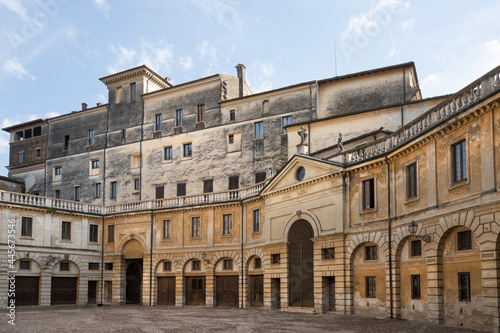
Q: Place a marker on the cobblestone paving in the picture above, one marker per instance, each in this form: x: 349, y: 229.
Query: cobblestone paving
x: 195, y: 319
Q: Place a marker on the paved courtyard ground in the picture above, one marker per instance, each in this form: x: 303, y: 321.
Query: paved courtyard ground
x: 198, y: 320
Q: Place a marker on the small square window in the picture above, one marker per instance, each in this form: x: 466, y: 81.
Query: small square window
x: 93, y: 266
x: 257, y: 263
x: 416, y: 248
x: 328, y: 253
x: 37, y: 131
x: 181, y: 189
x: 371, y: 253
x: 24, y: 265
x: 260, y: 177
x: 208, y: 186
x: 371, y: 291
x: 64, y: 266
x: 234, y: 182
x: 167, y: 266
x: 228, y: 264
x: 196, y: 265
x: 136, y: 161
x: 95, y: 164
x: 415, y: 286
x: 275, y: 258
x: 284, y: 122
x: 167, y: 153
x: 464, y: 240
x: 188, y: 149
x: 232, y: 115
x: 58, y: 171
x: 108, y: 266
x: 160, y: 192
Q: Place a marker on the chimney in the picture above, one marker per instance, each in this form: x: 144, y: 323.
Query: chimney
x: 240, y: 69
x: 84, y: 106
x: 98, y: 104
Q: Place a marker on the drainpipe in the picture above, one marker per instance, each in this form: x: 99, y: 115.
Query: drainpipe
x: 102, y: 258
x: 242, y: 263
x: 151, y: 261
x: 389, y: 229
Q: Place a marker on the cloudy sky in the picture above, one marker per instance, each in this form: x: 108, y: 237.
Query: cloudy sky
x: 53, y: 51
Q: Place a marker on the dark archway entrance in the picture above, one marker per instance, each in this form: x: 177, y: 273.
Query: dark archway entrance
x: 300, y: 265
x: 134, y: 281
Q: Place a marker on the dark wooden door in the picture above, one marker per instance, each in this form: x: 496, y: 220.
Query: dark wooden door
x: 92, y: 292
x: 226, y: 291
x: 256, y: 290
x: 134, y: 283
x: 27, y: 290
x: 331, y: 293
x: 166, y: 291
x: 64, y: 290
x: 300, y: 265
x: 195, y: 290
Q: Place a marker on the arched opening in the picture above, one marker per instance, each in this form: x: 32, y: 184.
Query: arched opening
x: 301, y: 265
x: 165, y: 277
x: 27, y: 282
x: 195, y: 284
x: 134, y: 282
x: 64, y: 283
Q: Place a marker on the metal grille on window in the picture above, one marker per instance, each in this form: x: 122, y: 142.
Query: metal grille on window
x: 371, y: 291
x: 464, y: 287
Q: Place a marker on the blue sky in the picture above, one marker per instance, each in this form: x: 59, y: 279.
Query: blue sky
x: 53, y: 51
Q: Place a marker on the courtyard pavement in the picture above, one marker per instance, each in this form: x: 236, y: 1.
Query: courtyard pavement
x: 197, y: 319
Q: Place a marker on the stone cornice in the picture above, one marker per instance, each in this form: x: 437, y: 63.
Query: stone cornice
x: 303, y: 184
x: 138, y: 71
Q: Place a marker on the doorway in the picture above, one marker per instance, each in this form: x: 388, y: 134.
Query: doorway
x: 301, y: 265
x: 134, y: 281
x: 92, y: 292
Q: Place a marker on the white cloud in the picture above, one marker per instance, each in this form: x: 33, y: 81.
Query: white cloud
x: 101, y: 98
x: 158, y: 56
x: 259, y: 76
x: 207, y: 50
x: 224, y: 12
x: 16, y: 7
x: 407, y: 26
x: 4, y: 143
x: 14, y: 67
x: 70, y: 32
x: 368, y: 21
x: 186, y: 63
x: 51, y: 114
x: 267, y: 69
x: 103, y: 6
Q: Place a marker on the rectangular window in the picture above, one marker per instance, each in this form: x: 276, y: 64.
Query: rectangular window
x: 98, y: 190
x: 464, y: 287
x: 93, y: 234
x: 158, y: 122
x: 371, y: 253
x: 167, y: 266
x: 166, y: 229
x: 27, y: 133
x: 24, y: 265
x: 95, y: 164
x: 464, y: 240
x: 124, y: 133
x: 26, y: 226
x: 37, y: 131
x: 275, y: 258
x: 284, y: 122
x: 57, y: 194
x: 208, y: 185
x: 230, y: 139
x: 91, y: 137
x: 21, y: 157
x: 111, y: 233
x: 260, y: 177
x: 257, y: 263
x: 137, y: 184
x: 228, y: 264
x: 195, y: 227
x: 132, y: 92
x: 64, y: 267
x: 411, y: 180
x: 66, y: 231
x: 256, y: 220
x: 416, y: 248
x: 371, y: 291
x: 178, y: 117
x: 187, y: 150
x: 58, y: 171
x: 415, y: 286
x: 200, y: 116
x: 160, y: 192
x: 234, y: 182
x: 113, y: 190
x: 108, y: 266
x: 368, y: 194
x: 38, y: 152
x: 328, y: 253
x: 181, y: 189
x: 93, y: 266
x: 118, y: 94
x: 77, y: 193
x: 232, y: 115
x: 259, y: 130
x: 66, y: 142
x: 227, y: 224
x: 459, y: 161
x: 196, y: 265
x: 167, y: 153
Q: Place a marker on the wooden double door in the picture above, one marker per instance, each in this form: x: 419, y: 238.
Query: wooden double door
x: 195, y: 290
x: 27, y: 290
x: 226, y: 291
x: 301, y: 265
x: 166, y: 291
x: 63, y: 290
x: 256, y: 285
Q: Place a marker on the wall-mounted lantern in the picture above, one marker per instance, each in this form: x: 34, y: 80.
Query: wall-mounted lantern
x: 412, y: 229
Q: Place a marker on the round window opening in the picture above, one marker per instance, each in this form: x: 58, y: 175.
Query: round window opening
x: 301, y: 172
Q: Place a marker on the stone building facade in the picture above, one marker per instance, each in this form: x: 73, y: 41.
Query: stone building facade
x: 209, y: 197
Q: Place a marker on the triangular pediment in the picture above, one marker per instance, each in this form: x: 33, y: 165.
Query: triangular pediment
x: 289, y: 176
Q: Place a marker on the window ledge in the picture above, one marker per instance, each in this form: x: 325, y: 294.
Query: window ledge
x: 412, y: 199
x: 258, y: 139
x: 27, y: 237
x: 187, y: 158
x: 66, y: 241
x: 256, y: 232
x: 167, y: 161
x: 227, y: 236
x: 367, y: 211
x: 459, y: 184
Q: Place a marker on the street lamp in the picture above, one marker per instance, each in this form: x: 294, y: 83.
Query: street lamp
x: 412, y: 229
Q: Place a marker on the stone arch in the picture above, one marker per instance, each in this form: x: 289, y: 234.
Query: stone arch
x: 130, y: 237
x: 28, y: 255
x: 227, y: 254
x: 306, y: 216
x: 370, y: 237
x: 51, y: 261
x: 158, y: 259
x: 255, y: 252
x: 193, y: 256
